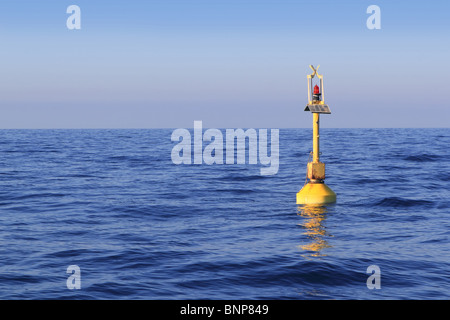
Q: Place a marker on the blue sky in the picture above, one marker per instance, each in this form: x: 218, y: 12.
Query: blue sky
x: 229, y: 63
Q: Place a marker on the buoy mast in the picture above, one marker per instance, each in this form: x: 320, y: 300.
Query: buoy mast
x: 315, y: 191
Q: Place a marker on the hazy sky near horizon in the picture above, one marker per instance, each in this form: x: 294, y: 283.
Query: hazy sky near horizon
x: 229, y: 63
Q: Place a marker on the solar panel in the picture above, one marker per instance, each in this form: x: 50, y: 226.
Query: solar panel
x: 318, y: 108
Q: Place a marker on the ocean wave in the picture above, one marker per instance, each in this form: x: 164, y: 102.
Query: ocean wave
x: 398, y: 202
x: 424, y: 157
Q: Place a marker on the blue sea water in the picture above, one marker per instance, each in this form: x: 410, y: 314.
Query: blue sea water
x: 140, y: 227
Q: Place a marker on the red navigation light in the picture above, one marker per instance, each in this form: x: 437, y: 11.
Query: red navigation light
x: 316, y: 89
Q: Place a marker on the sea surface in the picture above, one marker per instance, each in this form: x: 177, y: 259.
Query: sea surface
x: 138, y: 226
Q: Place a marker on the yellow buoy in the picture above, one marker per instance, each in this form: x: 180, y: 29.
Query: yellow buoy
x: 315, y: 191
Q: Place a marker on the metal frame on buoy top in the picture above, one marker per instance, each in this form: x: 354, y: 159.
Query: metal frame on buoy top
x: 315, y: 191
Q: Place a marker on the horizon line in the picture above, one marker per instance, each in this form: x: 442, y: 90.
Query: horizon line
x: 221, y: 128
